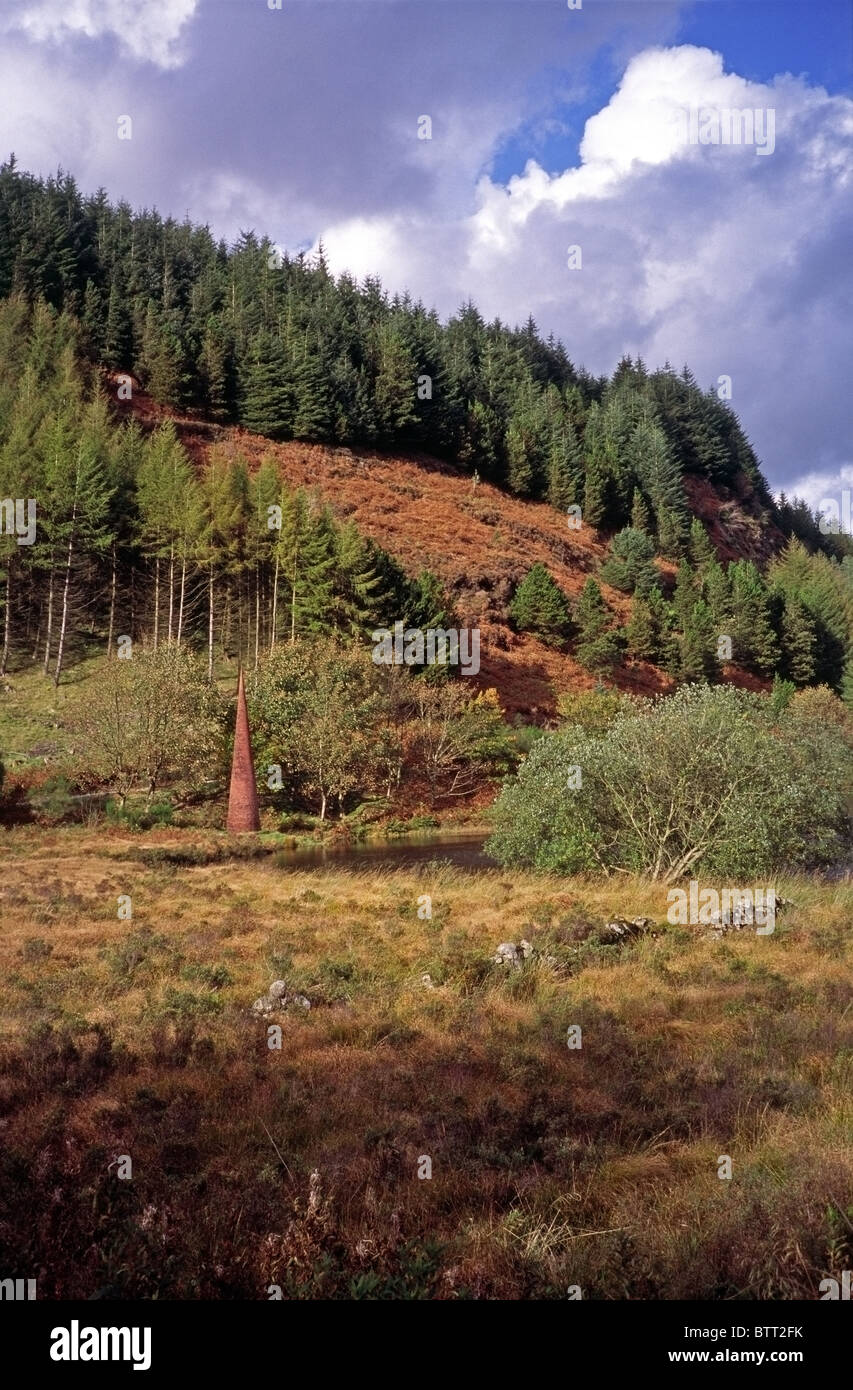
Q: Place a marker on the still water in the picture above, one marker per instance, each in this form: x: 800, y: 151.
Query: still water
x: 462, y: 848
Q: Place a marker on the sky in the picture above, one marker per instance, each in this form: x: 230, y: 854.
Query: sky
x: 551, y: 127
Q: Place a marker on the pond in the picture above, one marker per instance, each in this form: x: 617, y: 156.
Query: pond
x: 461, y: 848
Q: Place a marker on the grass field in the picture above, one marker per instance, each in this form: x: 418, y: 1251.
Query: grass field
x: 551, y: 1167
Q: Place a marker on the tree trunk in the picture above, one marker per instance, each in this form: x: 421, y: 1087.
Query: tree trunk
x: 181, y: 601
x: 49, y: 633
x: 257, y: 613
x: 171, y: 592
x: 210, y: 625
x: 156, y: 602
x: 7, y: 618
x: 112, y: 604
x: 65, y: 589
x: 274, y: 604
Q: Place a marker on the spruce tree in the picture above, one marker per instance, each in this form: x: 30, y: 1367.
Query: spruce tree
x: 307, y: 560
x: 685, y: 594
x: 702, y: 552
x: 699, y: 645
x: 598, y: 647
x: 540, y: 606
x: 629, y: 565
x: 641, y: 632
x: 798, y: 642
x: 754, y: 641
x: 357, y: 585
x: 641, y: 514
x: 267, y: 389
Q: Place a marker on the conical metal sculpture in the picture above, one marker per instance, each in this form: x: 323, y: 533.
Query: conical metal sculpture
x: 243, y: 812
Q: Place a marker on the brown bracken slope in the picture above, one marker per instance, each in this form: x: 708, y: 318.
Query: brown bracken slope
x: 480, y: 542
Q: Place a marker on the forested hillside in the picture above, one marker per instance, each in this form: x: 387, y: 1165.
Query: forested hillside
x: 673, y: 559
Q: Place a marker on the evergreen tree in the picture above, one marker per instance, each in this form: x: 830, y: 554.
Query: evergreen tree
x: 312, y: 418
x: 539, y: 606
x: 307, y: 560
x: 598, y: 647
x: 698, y: 645
x: 753, y: 639
x: 685, y: 594
x: 641, y: 632
x: 641, y: 515
x: 702, y: 553
x: 357, y: 585
x: 629, y: 565
x: 798, y: 643
x: 267, y: 391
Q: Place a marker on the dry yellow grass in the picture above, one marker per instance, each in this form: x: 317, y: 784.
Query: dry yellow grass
x: 550, y: 1167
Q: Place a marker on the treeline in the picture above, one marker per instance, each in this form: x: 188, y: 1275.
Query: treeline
x: 278, y: 344
x: 794, y: 623
x: 133, y: 541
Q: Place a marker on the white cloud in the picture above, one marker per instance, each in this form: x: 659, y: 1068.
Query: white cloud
x: 712, y: 254
x: 148, y: 30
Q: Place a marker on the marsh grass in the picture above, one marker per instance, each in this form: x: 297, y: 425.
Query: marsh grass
x: 550, y: 1166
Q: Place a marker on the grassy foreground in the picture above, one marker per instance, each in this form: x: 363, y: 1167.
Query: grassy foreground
x: 551, y: 1167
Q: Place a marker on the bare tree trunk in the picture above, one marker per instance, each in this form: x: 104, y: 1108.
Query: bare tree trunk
x: 183, y: 593
x: 257, y: 613
x: 156, y: 602
x: 64, y: 624
x: 171, y: 591
x: 210, y: 624
x: 112, y: 604
x: 49, y: 633
x: 274, y: 603
x: 7, y: 619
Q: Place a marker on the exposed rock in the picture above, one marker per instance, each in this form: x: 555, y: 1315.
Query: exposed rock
x: 743, y: 916
x: 508, y: 954
x: 277, y: 1000
x: 623, y: 929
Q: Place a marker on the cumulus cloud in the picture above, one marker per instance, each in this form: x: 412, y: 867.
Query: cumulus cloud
x: 714, y: 254
x: 147, y: 30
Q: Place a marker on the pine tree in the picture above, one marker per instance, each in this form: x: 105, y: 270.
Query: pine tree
x: 702, y: 552
x: 641, y: 632
x: 717, y: 593
x: 698, y: 645
x: 307, y: 560
x: 312, y: 419
x: 597, y: 646
x: 267, y: 390
x: 754, y: 641
x: 641, y: 515
x: 357, y: 585
x: 659, y: 474
x: 629, y: 565
x: 539, y: 606
x: 685, y: 594
x: 798, y: 642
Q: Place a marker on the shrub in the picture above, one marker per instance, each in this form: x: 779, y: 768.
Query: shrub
x: 703, y: 779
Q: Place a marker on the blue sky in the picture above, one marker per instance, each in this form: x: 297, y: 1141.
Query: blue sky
x: 551, y: 128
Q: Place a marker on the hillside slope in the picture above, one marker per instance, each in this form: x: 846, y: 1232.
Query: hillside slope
x: 481, y: 542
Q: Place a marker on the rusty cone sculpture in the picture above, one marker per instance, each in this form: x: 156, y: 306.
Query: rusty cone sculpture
x: 243, y: 797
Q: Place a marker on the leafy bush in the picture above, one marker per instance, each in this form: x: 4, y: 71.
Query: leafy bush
x: 703, y: 779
